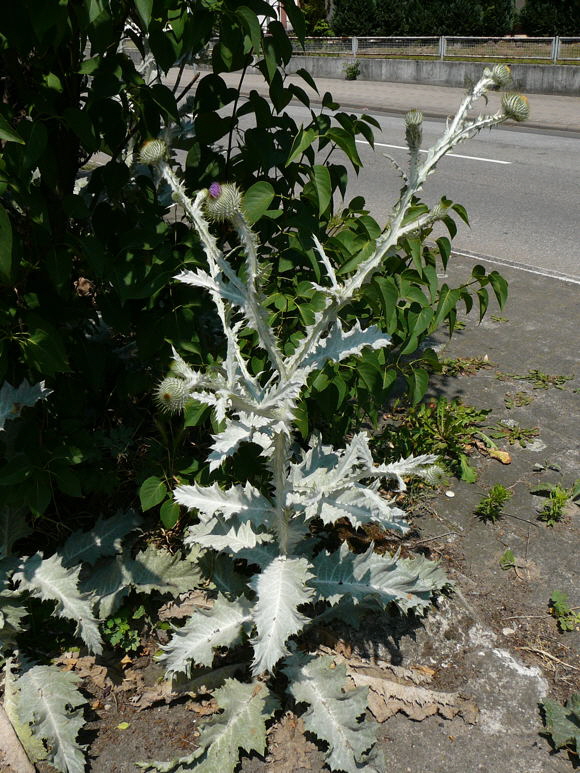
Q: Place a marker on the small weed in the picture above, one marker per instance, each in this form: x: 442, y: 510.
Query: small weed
x: 442, y: 427
x: 537, y: 378
x: 562, y: 722
x: 557, y: 498
x: 122, y: 630
x: 464, y: 366
x: 491, y: 506
x: 508, y: 560
x: 498, y: 319
x: 517, y: 399
x: 568, y: 619
x: 513, y: 433
x: 352, y: 71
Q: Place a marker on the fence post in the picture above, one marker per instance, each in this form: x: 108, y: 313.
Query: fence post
x: 555, y: 49
x: 442, y: 47
x: 354, y: 46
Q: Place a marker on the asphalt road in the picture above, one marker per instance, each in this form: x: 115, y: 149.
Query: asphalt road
x: 520, y: 188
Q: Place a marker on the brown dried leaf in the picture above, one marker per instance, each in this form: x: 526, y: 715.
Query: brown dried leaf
x: 288, y: 748
x: 502, y: 456
x: 390, y: 693
x: 185, y: 605
x: 86, y: 667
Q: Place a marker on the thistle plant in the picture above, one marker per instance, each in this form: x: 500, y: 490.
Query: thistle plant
x: 288, y: 578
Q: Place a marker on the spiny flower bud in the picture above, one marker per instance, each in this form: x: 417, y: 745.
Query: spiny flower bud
x: 439, y: 211
x: 501, y: 74
x: 222, y: 202
x: 413, y: 131
x: 515, y: 106
x: 152, y: 152
x: 172, y: 395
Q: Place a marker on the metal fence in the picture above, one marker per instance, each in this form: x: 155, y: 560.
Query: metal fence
x: 518, y: 48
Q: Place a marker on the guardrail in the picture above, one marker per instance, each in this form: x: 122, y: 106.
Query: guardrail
x: 557, y: 49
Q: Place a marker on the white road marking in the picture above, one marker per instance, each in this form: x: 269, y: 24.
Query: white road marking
x: 519, y: 266
x: 450, y: 155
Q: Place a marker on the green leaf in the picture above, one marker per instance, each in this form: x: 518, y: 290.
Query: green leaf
x: 296, y: 17
x: 152, y: 492
x: 346, y: 142
x: 251, y: 25
x: 169, y: 514
x: 418, y: 381
x: 302, y: 141
x: 468, y: 473
x: 563, y: 722
x: 44, y: 350
x: 323, y: 185
x: 444, y: 249
x: 462, y: 212
x: 257, y: 200
x: 144, y: 9
x: 5, y: 244
x: 7, y: 133
x: 305, y: 75
x: 500, y: 287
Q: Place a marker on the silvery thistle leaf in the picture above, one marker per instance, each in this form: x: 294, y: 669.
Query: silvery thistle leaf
x: 220, y: 626
x: 281, y: 588
x: 241, y: 725
x: 333, y: 712
x: 49, y: 580
x: 337, y: 346
x: 152, y: 569
x: 13, y: 527
x: 14, y: 399
x: 231, y: 536
x: 50, y: 701
x: 104, y: 539
x: 370, y: 576
x: 246, y: 502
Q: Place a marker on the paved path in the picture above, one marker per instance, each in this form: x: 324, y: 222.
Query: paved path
x: 548, y: 112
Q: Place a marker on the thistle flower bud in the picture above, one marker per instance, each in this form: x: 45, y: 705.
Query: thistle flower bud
x: 439, y: 211
x: 515, y: 106
x: 152, y: 152
x: 413, y: 131
x: 500, y: 74
x: 222, y: 202
x: 172, y: 395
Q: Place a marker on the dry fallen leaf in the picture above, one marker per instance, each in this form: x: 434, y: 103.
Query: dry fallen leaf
x: 394, y: 688
x: 288, y: 748
x: 185, y: 604
x: 502, y: 456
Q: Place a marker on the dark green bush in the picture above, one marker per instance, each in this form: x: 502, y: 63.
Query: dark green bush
x: 550, y: 17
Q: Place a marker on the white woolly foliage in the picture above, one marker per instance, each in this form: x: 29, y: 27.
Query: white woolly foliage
x: 334, y: 714
x: 50, y: 702
x: 269, y: 529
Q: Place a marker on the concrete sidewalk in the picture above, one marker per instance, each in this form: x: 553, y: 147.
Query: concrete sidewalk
x: 547, y: 112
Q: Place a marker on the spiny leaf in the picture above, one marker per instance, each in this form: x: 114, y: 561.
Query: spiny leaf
x: 151, y: 570
x: 226, y: 536
x: 51, y: 703
x: 333, y: 713
x: 14, y: 399
x: 49, y: 580
x: 104, y: 539
x: 220, y: 626
x: 370, y: 576
x: 281, y: 588
x: 212, y: 500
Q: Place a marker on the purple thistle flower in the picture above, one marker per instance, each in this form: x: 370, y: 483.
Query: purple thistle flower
x: 215, y: 190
